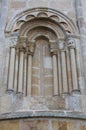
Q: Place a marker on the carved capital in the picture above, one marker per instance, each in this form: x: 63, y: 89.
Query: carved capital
x: 53, y: 51
x: 62, y: 46
x: 30, y: 49
x: 22, y: 40
x: 13, y: 40
x: 21, y: 43
x: 53, y: 48
x: 71, y: 43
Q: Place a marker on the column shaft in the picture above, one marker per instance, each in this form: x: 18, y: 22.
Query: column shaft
x: 16, y: 72
x: 69, y: 72
x: 20, y: 75
x: 55, y: 75
x: 64, y: 72
x: 25, y: 74
x: 29, y: 75
x: 59, y: 73
x: 11, y: 69
x: 74, y: 71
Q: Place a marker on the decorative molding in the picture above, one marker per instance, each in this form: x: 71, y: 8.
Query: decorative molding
x: 42, y: 14
x: 29, y: 17
x: 12, y: 41
x: 42, y: 25
x: 54, y: 17
x: 16, y: 22
x: 44, y: 114
x: 21, y: 43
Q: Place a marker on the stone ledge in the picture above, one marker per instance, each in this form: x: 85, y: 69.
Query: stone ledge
x: 43, y: 114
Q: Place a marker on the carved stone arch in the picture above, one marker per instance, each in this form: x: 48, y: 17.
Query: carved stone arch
x: 60, y: 32
x: 40, y: 23
x: 41, y: 36
x: 35, y: 34
x: 55, y: 15
x: 41, y: 31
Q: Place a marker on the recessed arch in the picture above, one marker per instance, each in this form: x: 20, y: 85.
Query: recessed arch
x: 41, y: 31
x: 43, y: 23
x: 42, y: 37
x: 44, y: 13
x: 46, y: 25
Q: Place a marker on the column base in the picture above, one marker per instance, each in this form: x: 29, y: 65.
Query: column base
x: 76, y: 92
x: 65, y: 94
x: 9, y: 91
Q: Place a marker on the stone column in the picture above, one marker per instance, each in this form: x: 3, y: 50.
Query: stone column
x: 30, y: 51
x: 64, y: 67
x: 29, y: 74
x: 71, y: 45
x: 21, y: 69
x: 25, y: 74
x: 59, y: 73
x: 69, y: 71
x: 16, y: 70
x: 54, y: 52
x: 55, y: 75
x: 21, y: 46
x: 11, y: 69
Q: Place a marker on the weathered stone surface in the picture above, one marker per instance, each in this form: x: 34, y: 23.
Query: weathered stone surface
x: 42, y: 124
x: 63, y: 111
x: 6, y: 103
x: 71, y: 126
x: 20, y: 103
x: 17, y: 4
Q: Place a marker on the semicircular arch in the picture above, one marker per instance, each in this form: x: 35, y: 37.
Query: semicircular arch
x: 43, y: 23
x: 38, y: 31
x: 64, y: 21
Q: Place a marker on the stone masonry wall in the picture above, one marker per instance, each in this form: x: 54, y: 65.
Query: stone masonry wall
x: 15, y: 103
x: 11, y: 8
x: 43, y: 124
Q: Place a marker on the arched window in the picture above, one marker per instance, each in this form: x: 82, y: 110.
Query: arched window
x: 44, y: 62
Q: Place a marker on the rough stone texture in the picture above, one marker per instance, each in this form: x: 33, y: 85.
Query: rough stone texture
x: 61, y: 5
x: 17, y: 5
x: 43, y: 124
x: 20, y: 103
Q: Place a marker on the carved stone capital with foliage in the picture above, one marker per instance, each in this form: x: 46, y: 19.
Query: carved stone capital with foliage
x: 21, y: 43
x: 71, y: 43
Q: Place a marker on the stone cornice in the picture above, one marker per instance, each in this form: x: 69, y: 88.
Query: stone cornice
x: 44, y: 114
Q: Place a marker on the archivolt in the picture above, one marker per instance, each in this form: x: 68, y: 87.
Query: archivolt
x: 41, y: 31
x: 47, y: 14
x: 54, y: 26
